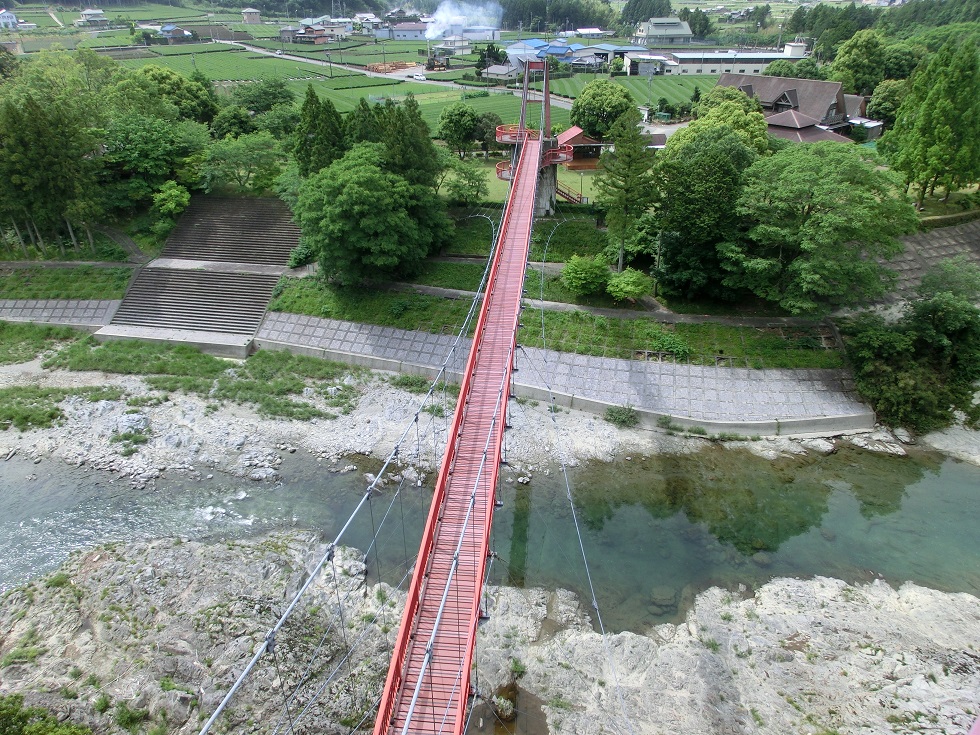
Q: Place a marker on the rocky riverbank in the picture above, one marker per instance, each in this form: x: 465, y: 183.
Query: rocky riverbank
x: 187, y: 435
x: 155, y: 633
x: 161, y: 629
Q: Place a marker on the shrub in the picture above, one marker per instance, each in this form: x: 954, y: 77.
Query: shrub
x: 622, y: 416
x: 301, y: 255
x: 128, y: 718
x: 585, y: 276
x: 629, y: 285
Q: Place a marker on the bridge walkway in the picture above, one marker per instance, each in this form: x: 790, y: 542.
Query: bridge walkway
x: 428, y: 684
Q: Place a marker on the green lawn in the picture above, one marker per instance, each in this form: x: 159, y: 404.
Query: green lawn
x: 472, y: 236
x: 82, y: 283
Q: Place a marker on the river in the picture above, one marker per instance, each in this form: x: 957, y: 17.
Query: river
x: 656, y: 530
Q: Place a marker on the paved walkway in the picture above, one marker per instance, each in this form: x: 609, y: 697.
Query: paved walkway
x: 721, y: 399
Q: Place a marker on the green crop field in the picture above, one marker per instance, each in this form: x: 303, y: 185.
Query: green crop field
x: 182, y: 49
x: 234, y: 66
x: 120, y: 37
x: 674, y: 88
x: 40, y: 17
x: 261, y: 30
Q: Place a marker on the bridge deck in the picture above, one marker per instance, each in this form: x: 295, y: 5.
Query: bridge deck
x: 428, y: 682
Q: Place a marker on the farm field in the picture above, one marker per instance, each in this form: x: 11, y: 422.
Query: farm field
x: 674, y: 88
x: 233, y: 66
x: 40, y: 17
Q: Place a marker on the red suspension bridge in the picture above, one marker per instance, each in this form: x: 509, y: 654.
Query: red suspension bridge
x: 428, y: 686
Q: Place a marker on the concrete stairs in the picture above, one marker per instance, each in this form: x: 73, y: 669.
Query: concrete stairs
x: 214, y: 280
x: 234, y: 230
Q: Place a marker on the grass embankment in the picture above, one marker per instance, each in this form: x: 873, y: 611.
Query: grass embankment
x: 577, y: 331
x: 271, y: 381
x: 82, y: 283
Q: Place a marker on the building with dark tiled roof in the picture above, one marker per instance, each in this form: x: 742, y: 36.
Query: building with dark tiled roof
x: 822, y: 101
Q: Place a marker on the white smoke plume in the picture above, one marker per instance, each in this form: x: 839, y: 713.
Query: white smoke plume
x: 451, y: 13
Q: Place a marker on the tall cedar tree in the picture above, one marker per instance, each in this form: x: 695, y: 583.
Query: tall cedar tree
x: 625, y: 182
x: 936, y: 137
x: 409, y: 150
x: 319, y: 135
x: 362, y: 125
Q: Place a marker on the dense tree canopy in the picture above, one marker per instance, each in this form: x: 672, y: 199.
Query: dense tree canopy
x: 366, y: 222
x: 699, y: 178
x: 887, y: 99
x: 803, y: 69
x: 810, y: 248
x: 599, y: 105
x: 860, y: 63
x: 640, y: 11
x: 936, y: 137
x: 917, y: 371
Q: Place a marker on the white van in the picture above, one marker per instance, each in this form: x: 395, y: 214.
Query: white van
x: 418, y: 77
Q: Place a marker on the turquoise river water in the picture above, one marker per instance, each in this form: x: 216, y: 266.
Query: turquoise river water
x: 680, y: 523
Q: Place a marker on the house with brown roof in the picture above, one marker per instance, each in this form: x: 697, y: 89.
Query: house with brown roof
x: 803, y: 110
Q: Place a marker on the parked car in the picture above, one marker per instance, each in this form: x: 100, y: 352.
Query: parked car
x: 418, y: 77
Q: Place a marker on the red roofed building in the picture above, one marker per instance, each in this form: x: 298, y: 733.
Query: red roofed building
x: 585, y: 150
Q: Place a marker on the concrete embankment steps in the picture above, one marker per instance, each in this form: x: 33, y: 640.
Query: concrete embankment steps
x: 185, y: 299
x: 234, y: 230
x: 213, y: 282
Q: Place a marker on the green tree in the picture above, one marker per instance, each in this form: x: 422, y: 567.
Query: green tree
x: 625, y: 182
x: 700, y: 180
x: 263, y: 95
x: 916, y: 371
x: 362, y: 125
x: 718, y: 96
x: 486, y: 130
x: 467, y: 183
x: 585, y: 276
x: 750, y: 127
x: 192, y: 100
x: 629, y: 285
x: 171, y: 199
x: 232, y: 121
x: 408, y: 146
x: 901, y: 59
x: 935, y: 137
x: 140, y: 153
x: 700, y: 23
x: 367, y: 223
x: 457, y: 126
x: 280, y: 120
x: 860, y: 62
x: 250, y: 162
x: 47, y: 164
x: 639, y: 11
x: 600, y: 104
x: 810, y: 248
x: 806, y: 68
x: 319, y: 134
x: 8, y: 63
x: 887, y: 100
